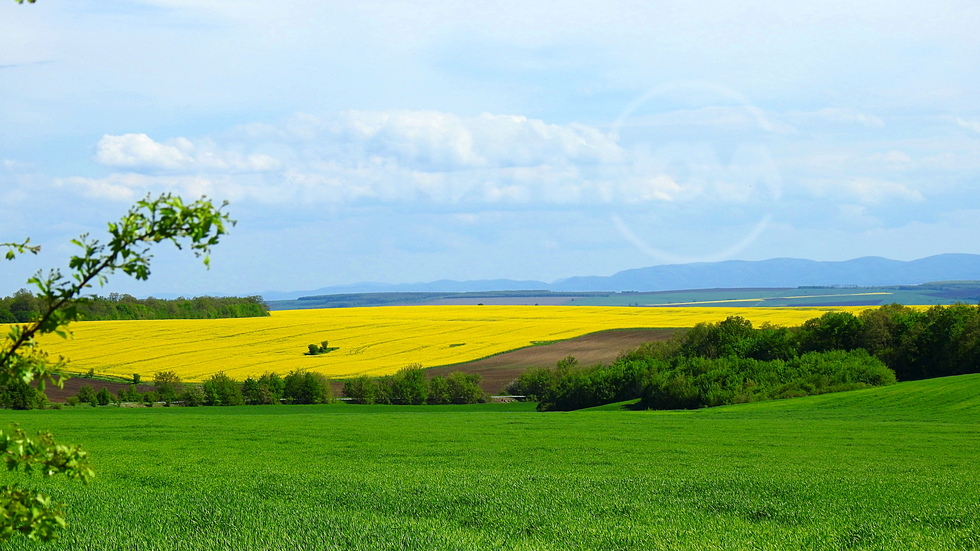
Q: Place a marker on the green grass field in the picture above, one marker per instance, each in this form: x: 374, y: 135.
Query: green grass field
x: 886, y: 468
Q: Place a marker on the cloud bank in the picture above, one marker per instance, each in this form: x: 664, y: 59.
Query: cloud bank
x: 384, y: 157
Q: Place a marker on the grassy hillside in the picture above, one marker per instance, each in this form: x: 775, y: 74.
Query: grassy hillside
x: 887, y: 468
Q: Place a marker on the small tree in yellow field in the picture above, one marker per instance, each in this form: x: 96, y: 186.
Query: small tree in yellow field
x: 165, y: 218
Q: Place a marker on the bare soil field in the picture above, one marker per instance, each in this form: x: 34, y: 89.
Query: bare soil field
x: 602, y: 347
x: 73, y: 385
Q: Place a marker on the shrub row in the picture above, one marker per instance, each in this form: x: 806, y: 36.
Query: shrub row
x: 688, y: 382
x: 297, y: 387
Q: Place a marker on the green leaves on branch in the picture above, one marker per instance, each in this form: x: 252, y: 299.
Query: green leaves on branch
x: 41, y: 454
x: 29, y: 513
x: 25, y: 511
x: 197, y: 225
x: 13, y: 249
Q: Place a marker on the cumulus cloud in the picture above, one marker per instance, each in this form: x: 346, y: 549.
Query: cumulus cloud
x: 388, y: 157
x: 139, y: 151
x: 434, y: 140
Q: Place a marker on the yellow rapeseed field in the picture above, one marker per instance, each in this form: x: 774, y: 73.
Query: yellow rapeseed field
x: 373, y: 341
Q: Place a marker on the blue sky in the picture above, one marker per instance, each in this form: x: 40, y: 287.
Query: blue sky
x: 399, y: 142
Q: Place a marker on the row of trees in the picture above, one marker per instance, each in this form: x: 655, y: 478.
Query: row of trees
x: 410, y: 387
x: 731, y: 361
x: 407, y: 387
x: 296, y: 387
x: 24, y: 306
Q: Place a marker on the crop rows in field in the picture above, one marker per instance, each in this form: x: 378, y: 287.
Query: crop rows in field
x: 372, y: 341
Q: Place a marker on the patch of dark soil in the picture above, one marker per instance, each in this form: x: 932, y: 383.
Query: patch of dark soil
x: 602, y: 347
x: 73, y: 385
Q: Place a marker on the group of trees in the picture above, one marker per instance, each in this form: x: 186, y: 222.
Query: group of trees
x: 322, y: 348
x: 24, y: 306
x: 410, y: 387
x: 731, y: 361
x: 17, y: 394
x: 297, y: 387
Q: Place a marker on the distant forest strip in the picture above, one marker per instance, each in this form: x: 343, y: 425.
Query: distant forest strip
x: 927, y: 294
x: 24, y: 306
x: 358, y: 300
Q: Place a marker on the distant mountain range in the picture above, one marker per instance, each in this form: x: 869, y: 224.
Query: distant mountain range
x: 868, y: 271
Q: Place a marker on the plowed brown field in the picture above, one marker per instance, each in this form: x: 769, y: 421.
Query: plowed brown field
x: 602, y: 347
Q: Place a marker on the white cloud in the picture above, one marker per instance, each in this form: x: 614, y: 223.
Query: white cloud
x: 435, y: 140
x: 130, y: 186
x: 866, y: 191
x: 894, y: 158
x: 139, y: 151
x: 745, y: 117
x: 969, y: 125
x: 388, y: 157
x: 658, y: 188
x: 837, y: 116
x: 376, y: 156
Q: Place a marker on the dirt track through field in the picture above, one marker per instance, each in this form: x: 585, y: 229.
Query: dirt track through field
x: 602, y: 347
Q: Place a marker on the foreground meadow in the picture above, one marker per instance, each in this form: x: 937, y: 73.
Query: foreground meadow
x: 886, y: 468
x: 370, y: 341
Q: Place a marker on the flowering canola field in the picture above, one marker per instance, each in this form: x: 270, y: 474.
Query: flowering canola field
x: 372, y: 341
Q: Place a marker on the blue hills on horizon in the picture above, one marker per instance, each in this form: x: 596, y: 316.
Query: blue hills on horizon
x: 870, y: 271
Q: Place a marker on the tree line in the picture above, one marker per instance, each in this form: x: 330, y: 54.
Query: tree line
x: 407, y: 387
x: 24, y: 306
x: 296, y: 387
x: 732, y: 362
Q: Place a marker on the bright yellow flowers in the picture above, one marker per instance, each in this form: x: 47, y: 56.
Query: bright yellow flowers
x: 373, y: 341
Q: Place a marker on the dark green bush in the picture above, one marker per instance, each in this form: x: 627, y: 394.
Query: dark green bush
x: 104, y: 397
x: 439, y: 391
x: 361, y: 389
x: 304, y: 387
x: 16, y: 394
x: 221, y: 390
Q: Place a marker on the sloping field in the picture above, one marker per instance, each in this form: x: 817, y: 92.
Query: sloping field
x: 595, y: 348
x: 373, y: 341
x: 877, y: 469
x: 943, y: 399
